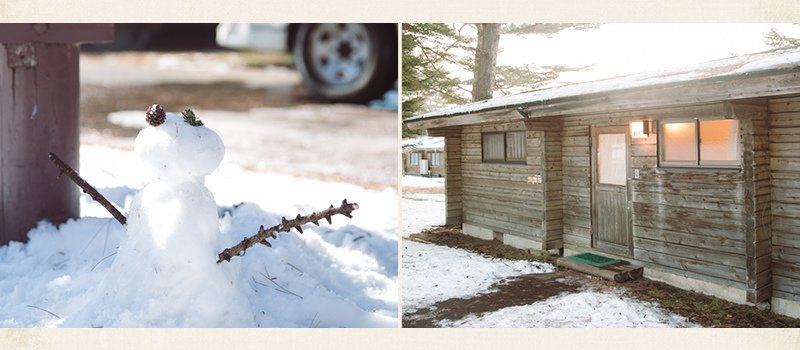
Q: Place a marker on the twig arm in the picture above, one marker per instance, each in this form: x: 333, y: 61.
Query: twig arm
x: 65, y: 169
x: 286, y: 226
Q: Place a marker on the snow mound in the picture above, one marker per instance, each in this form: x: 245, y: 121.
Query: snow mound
x: 433, y: 273
x: 588, y: 309
x: 339, y: 275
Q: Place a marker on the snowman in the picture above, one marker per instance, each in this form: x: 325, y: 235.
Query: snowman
x: 165, y: 272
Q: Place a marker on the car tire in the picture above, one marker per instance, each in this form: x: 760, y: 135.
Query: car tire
x: 346, y: 62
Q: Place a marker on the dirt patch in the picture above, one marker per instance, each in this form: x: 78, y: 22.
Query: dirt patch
x: 517, y: 291
x: 705, y: 310
x: 98, y: 101
x: 452, y: 237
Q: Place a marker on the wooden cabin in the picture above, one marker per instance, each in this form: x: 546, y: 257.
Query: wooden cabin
x: 693, y: 173
x: 425, y: 149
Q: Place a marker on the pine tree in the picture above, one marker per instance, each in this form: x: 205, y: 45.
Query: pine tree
x: 431, y: 51
x: 778, y: 40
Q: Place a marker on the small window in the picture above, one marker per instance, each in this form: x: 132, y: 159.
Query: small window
x: 436, y: 159
x: 414, y: 158
x: 700, y: 143
x: 503, y: 147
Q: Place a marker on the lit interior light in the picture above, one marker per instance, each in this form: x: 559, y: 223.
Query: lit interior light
x: 640, y: 129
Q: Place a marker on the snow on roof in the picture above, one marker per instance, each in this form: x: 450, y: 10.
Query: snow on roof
x: 424, y: 142
x: 723, y: 68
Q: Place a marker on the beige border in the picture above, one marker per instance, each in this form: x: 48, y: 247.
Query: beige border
x: 137, y: 339
x: 401, y: 11
x: 397, y: 11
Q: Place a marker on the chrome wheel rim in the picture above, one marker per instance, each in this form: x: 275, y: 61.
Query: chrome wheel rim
x: 339, y: 52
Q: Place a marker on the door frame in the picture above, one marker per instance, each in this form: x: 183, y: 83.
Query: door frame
x: 594, y: 132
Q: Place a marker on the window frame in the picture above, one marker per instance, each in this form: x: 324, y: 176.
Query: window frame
x: 411, y: 158
x: 505, y: 160
x: 699, y: 162
x: 434, y: 155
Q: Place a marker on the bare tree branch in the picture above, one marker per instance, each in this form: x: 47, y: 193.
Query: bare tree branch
x: 64, y: 168
x: 286, y: 226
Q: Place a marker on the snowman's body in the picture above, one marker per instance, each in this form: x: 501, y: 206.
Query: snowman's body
x: 165, y: 272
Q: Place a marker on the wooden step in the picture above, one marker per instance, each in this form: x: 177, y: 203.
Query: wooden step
x: 619, y: 272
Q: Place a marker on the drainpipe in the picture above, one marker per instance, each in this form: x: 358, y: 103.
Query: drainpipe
x: 39, y: 96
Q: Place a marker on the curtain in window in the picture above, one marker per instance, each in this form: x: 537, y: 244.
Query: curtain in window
x: 493, y: 147
x: 515, y: 143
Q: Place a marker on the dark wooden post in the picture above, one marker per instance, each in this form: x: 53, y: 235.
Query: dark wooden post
x: 39, y: 95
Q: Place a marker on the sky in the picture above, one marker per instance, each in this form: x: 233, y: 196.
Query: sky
x: 621, y: 49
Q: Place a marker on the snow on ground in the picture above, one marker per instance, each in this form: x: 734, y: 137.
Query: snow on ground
x: 421, y: 211
x: 339, y: 275
x: 433, y: 273
x: 421, y: 181
x: 587, y: 309
x: 388, y: 100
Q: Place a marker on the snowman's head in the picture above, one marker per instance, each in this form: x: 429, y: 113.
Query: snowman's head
x: 176, y: 149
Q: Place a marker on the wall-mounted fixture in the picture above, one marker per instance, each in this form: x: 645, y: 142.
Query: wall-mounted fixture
x: 535, y: 179
x: 640, y: 129
x: 522, y: 112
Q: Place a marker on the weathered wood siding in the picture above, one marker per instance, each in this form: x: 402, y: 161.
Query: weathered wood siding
x: 453, y: 176
x: 758, y: 230
x: 784, y: 153
x: 498, y: 196
x: 690, y: 222
x: 552, y: 179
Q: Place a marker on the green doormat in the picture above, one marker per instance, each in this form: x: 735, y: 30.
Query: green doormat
x: 593, y: 259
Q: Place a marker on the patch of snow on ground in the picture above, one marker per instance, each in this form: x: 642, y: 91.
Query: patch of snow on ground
x: 420, y: 181
x: 588, y: 309
x: 433, y: 273
x: 421, y: 211
x: 339, y: 275
x: 388, y: 100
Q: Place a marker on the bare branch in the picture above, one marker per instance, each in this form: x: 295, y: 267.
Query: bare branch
x: 286, y: 226
x: 64, y: 168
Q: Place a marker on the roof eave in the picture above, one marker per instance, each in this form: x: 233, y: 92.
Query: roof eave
x: 756, y: 84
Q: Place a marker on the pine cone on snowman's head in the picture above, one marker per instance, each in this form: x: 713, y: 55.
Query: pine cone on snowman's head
x: 156, y: 115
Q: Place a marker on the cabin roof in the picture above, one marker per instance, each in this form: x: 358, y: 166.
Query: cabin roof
x: 424, y: 142
x: 739, y: 67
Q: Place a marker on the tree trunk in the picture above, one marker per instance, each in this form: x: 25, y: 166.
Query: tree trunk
x: 485, y: 61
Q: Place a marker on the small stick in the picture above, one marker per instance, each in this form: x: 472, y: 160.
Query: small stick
x: 101, y: 260
x: 285, y: 226
x: 280, y: 288
x: 64, y: 168
x: 36, y: 307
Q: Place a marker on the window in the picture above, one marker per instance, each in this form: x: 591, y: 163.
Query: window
x: 700, y: 143
x: 611, y: 159
x: 503, y: 147
x: 436, y: 158
x: 414, y: 159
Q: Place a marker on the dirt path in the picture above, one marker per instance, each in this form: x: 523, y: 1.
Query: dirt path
x: 521, y: 290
